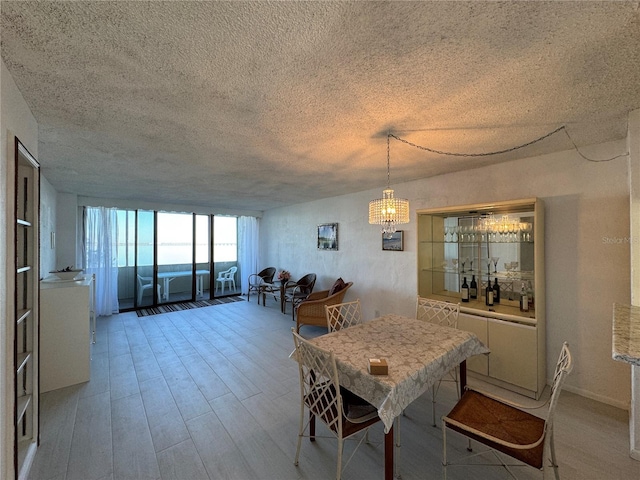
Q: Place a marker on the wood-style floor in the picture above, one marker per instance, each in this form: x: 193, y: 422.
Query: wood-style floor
x: 210, y: 393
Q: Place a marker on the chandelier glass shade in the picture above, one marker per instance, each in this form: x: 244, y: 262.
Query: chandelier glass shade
x: 388, y: 211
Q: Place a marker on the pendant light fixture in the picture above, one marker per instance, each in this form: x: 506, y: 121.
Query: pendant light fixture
x: 388, y: 211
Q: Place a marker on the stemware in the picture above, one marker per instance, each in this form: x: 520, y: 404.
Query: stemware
x: 455, y: 264
x: 471, y: 264
x: 495, y: 264
x: 489, y: 261
x: 463, y: 263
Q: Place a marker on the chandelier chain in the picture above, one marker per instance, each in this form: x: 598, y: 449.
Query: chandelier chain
x: 388, y: 162
x: 486, y: 154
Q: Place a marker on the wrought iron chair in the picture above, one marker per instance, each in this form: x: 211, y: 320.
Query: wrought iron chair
x: 257, y: 280
x: 344, y: 413
x: 507, y: 428
x: 296, y: 292
x: 343, y: 315
x: 440, y: 313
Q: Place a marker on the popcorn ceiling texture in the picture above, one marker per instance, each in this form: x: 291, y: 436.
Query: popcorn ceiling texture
x: 255, y: 105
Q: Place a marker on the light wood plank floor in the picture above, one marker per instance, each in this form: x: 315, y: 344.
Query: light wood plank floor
x: 210, y: 393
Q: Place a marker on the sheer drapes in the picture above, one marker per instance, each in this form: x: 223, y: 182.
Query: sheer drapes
x: 101, y: 256
x: 248, y: 249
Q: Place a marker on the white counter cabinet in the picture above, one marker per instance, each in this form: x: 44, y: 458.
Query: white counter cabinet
x: 66, y: 310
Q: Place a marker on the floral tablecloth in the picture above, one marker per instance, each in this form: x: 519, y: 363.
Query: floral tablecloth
x: 418, y: 354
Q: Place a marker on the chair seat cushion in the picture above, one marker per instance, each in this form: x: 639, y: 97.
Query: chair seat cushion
x: 338, y: 285
x: 502, y: 422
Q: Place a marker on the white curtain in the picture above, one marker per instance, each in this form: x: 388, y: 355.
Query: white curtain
x: 101, y: 256
x: 248, y: 249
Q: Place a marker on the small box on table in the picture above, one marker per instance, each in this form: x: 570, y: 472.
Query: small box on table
x: 378, y: 366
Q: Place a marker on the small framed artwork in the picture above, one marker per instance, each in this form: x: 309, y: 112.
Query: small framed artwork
x: 328, y: 236
x: 395, y: 242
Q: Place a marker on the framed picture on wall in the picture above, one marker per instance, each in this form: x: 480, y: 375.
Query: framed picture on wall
x: 328, y: 236
x: 395, y: 242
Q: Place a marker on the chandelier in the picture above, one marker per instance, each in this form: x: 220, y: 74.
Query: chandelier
x: 388, y: 211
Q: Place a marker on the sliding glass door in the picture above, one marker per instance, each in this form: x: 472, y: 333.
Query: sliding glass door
x: 175, y: 245
x: 168, y: 257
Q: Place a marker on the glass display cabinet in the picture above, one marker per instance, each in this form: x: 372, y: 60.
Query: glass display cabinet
x: 490, y: 258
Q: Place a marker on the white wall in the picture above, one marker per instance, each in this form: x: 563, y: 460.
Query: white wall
x: 16, y: 120
x: 586, y: 239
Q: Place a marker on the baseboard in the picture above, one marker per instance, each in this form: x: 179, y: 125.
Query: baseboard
x: 599, y: 398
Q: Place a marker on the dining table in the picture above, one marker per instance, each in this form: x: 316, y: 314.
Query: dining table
x: 418, y: 354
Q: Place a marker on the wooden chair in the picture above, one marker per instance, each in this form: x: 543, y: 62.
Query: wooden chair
x: 344, y: 413
x: 440, y: 313
x: 312, y: 312
x: 507, y: 428
x: 296, y: 292
x: 343, y: 315
x: 257, y: 280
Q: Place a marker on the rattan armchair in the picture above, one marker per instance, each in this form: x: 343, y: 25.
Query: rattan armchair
x: 312, y: 312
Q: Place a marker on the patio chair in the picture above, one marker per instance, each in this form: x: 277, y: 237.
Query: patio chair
x: 343, y: 315
x: 228, y: 276
x: 257, y: 280
x: 145, y: 283
x: 344, y: 413
x: 296, y: 292
x: 440, y: 313
x: 506, y: 427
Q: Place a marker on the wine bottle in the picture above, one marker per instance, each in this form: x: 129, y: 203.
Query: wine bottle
x: 473, y: 288
x: 496, y: 292
x: 489, y: 296
x: 464, y: 290
x: 530, y: 295
x: 524, y: 300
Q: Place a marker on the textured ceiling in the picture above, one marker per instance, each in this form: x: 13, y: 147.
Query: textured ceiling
x: 254, y: 105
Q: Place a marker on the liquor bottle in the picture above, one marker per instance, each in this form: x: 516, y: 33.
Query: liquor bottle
x: 530, y: 295
x: 464, y: 290
x: 473, y: 288
x: 524, y: 300
x: 489, y: 296
x: 496, y: 292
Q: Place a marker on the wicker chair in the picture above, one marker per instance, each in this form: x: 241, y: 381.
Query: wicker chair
x: 505, y: 427
x: 312, y: 312
x: 296, y: 292
x: 257, y: 280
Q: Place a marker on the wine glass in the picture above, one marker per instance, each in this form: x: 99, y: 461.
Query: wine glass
x: 464, y: 262
x: 495, y: 264
x: 471, y: 264
x: 455, y: 264
x: 489, y: 260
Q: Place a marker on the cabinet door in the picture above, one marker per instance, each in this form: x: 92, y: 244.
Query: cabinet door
x: 514, y: 353
x: 477, y: 325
